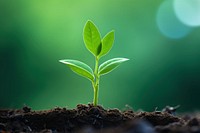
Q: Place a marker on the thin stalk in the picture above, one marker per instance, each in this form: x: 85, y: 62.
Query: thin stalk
x: 95, y: 83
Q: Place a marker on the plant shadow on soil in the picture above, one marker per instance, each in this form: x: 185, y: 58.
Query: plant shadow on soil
x: 96, y: 119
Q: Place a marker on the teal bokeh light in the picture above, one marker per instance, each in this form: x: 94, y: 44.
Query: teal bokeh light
x: 188, y: 11
x: 168, y: 23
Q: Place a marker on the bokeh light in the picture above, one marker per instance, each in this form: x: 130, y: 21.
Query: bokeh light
x: 188, y: 11
x: 168, y: 23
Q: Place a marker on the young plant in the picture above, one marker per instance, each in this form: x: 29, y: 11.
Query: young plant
x: 98, y: 47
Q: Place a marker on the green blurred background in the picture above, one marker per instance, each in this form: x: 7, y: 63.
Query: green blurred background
x: 164, y: 53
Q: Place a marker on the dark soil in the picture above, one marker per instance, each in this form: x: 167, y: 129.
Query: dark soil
x: 90, y: 119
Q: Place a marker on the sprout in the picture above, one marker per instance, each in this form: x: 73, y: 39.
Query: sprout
x: 98, y: 47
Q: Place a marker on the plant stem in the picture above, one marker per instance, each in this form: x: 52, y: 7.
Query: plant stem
x: 95, y: 83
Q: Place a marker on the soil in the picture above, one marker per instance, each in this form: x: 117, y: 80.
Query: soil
x: 91, y: 119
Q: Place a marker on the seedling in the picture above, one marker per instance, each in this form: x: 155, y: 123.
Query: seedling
x: 98, y: 47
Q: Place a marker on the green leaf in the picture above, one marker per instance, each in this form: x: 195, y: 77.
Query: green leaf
x: 107, y: 43
x: 80, y: 68
x: 110, y: 65
x: 92, y: 38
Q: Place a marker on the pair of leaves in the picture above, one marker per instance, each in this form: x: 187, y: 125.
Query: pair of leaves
x: 93, y: 42
x: 98, y: 47
x: 84, y: 70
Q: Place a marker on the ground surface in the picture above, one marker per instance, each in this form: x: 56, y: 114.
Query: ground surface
x: 90, y: 119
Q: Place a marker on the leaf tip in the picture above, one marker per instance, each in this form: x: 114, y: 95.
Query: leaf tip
x: 112, y: 31
x: 63, y: 61
x: 88, y: 22
x: 126, y: 59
